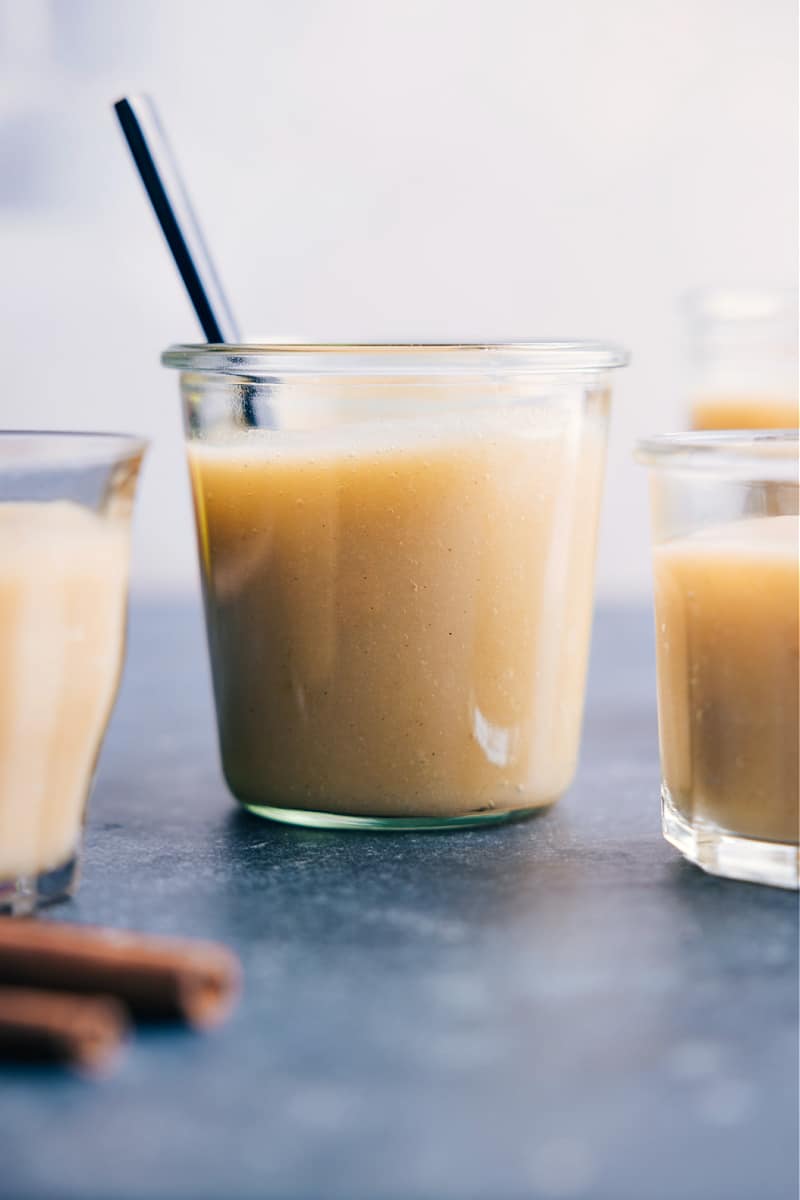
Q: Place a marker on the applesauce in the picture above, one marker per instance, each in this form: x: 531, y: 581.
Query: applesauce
x: 727, y: 606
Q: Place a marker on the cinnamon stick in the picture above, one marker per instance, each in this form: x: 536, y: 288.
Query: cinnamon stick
x: 85, y: 1032
x: 156, y: 977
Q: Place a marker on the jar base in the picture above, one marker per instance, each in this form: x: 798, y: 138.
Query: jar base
x: 313, y: 819
x: 22, y: 896
x: 722, y: 853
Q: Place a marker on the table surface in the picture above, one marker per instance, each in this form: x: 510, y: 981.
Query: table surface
x: 555, y: 1008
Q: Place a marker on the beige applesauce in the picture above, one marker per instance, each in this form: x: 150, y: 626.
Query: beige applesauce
x: 727, y: 636
x: 399, y: 613
x: 745, y: 412
x: 63, y: 580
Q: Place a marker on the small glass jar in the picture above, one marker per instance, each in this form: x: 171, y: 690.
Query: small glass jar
x: 65, y: 508
x: 397, y: 550
x: 725, y: 531
x: 742, y: 358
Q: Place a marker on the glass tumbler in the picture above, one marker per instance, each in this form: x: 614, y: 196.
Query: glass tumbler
x: 397, y: 550
x: 742, y: 352
x: 65, y: 507
x: 725, y: 531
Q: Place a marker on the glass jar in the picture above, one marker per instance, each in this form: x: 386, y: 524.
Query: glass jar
x: 742, y: 358
x: 65, y: 507
x: 725, y: 531
x: 397, y: 550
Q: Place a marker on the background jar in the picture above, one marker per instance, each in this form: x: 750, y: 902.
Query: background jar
x: 741, y: 349
x: 725, y: 532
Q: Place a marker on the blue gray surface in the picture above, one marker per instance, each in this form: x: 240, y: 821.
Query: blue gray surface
x: 556, y: 1008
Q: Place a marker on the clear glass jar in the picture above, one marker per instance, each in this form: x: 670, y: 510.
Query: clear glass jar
x: 725, y: 532
x: 65, y: 508
x: 742, y: 358
x: 397, y: 549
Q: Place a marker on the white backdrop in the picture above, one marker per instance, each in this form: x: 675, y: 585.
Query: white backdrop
x: 387, y: 169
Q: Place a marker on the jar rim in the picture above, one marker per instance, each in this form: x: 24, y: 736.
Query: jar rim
x: 722, y: 449
x: 397, y: 358
x: 42, y: 449
x: 738, y: 305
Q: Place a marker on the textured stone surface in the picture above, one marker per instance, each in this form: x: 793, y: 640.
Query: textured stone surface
x: 556, y: 1008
